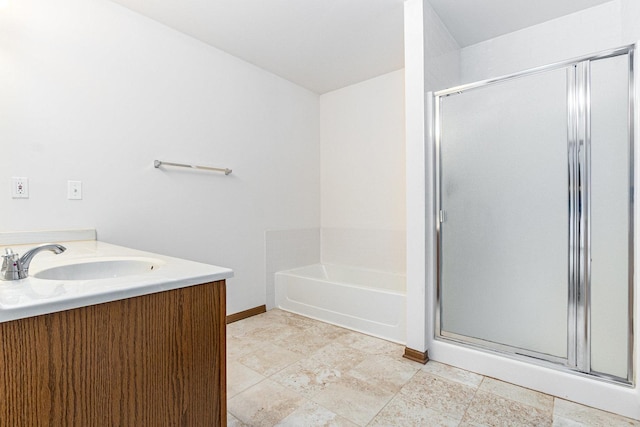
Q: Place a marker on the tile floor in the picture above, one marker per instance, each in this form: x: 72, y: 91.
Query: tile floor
x: 289, y: 370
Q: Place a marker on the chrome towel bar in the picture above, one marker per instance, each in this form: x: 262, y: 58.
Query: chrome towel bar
x: 158, y: 163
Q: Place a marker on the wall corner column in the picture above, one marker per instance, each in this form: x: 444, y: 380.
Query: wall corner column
x: 417, y: 308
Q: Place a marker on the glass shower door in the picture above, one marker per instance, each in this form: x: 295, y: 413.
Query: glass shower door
x: 535, y: 191
x: 611, y: 214
x: 504, y: 215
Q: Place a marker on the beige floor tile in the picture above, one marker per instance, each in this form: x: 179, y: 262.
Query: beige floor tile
x: 538, y: 400
x: 305, y: 324
x: 328, y: 332
x: 330, y: 329
x: 293, y: 320
x: 384, y: 372
x: 439, y: 394
x: 234, y: 422
x: 565, y: 412
x: 240, y: 346
x: 454, y: 374
x: 371, y: 345
x: 353, y: 399
x: 339, y: 356
x: 312, y: 414
x: 307, y: 377
x: 265, y: 404
x: 277, y: 313
x: 244, y: 326
x: 489, y: 409
x: 240, y: 378
x: 271, y: 332
x: 289, y: 369
x: 272, y: 319
x: 269, y: 359
x: 309, y: 340
x: 297, y: 321
x: 406, y: 413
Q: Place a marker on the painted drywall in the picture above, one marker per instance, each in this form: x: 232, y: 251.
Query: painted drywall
x: 606, y: 26
x: 598, y: 28
x: 287, y: 249
x: 362, y: 174
x: 91, y: 91
x: 431, y: 63
x: 441, y: 52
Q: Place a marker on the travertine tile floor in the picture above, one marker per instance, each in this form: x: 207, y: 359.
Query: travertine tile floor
x: 288, y: 370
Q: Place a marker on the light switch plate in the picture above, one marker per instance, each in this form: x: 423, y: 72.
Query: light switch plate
x: 74, y: 190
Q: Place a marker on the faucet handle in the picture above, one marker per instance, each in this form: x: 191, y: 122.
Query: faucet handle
x: 10, y: 265
x: 9, y: 256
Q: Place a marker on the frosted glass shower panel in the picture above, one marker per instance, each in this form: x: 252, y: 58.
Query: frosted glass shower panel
x: 504, y: 196
x: 610, y: 215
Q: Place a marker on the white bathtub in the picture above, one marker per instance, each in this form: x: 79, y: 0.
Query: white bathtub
x: 368, y: 301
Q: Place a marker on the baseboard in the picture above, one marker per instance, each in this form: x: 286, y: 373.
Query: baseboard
x: 415, y: 355
x: 246, y: 313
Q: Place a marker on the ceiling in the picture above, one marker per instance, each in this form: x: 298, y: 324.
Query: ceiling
x: 325, y: 45
x: 322, y: 45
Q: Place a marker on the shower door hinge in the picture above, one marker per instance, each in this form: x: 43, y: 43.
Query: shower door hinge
x: 441, y: 216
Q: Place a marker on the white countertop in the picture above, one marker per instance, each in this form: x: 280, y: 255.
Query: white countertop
x: 33, y: 296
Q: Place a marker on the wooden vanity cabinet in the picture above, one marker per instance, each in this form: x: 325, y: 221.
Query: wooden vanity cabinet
x: 152, y: 360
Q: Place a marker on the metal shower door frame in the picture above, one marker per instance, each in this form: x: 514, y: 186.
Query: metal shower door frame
x: 579, y: 256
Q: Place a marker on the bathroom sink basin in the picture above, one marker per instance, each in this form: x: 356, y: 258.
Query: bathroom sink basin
x: 99, y: 269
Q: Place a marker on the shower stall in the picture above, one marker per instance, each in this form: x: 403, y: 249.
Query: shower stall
x: 535, y: 215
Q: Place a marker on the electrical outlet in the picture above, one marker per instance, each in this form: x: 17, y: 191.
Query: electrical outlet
x: 74, y: 190
x: 19, y: 187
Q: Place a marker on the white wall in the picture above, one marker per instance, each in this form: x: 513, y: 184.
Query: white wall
x: 287, y: 249
x: 598, y: 28
x: 362, y: 174
x: 91, y: 91
x: 441, y: 53
x: 431, y: 63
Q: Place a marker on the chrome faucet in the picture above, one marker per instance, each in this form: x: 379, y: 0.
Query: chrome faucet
x: 15, y: 267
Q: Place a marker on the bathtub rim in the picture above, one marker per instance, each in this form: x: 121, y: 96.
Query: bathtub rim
x: 294, y: 272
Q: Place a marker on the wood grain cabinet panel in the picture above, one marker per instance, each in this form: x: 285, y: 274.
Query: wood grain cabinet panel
x: 153, y: 360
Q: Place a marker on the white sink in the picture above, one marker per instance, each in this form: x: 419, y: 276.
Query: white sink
x: 100, y: 269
